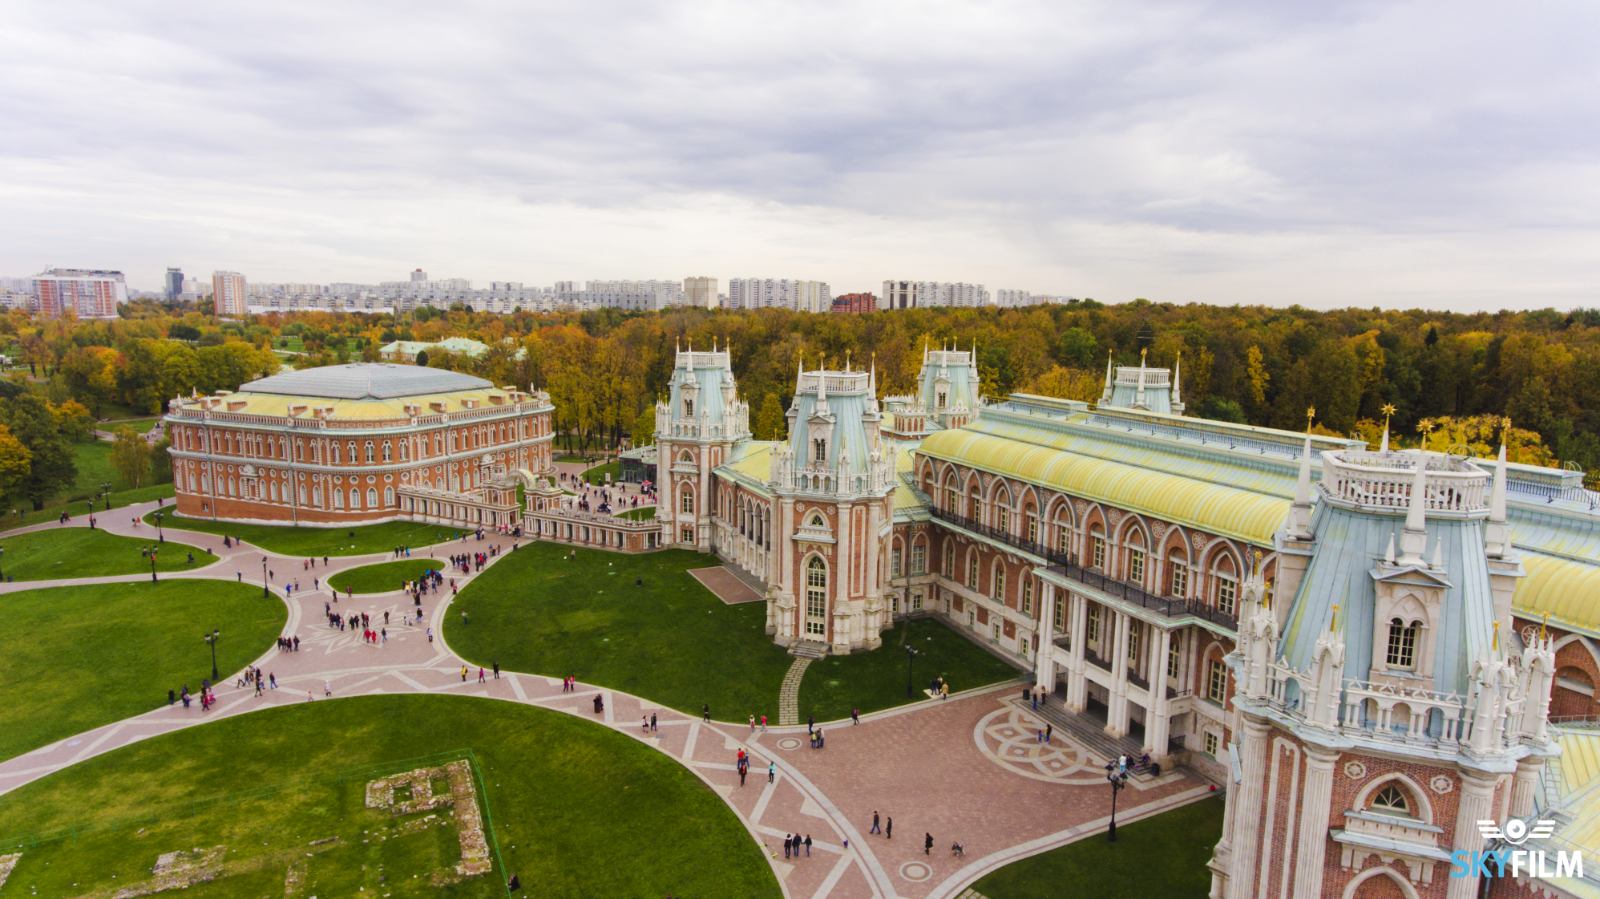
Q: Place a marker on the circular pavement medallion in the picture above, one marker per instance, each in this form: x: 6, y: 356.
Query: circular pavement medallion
x: 789, y: 744
x: 1009, y: 737
x: 916, y: 872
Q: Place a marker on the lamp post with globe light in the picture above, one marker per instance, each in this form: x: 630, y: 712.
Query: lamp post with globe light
x: 911, y: 658
x: 211, y: 638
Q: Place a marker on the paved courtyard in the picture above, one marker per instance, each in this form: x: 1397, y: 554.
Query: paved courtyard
x: 969, y: 769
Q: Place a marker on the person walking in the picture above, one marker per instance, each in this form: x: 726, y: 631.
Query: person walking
x: 272, y: 677
x: 743, y: 767
x: 327, y: 688
x: 1048, y: 730
x: 463, y: 674
x: 752, y: 725
x: 707, y: 712
x: 811, y: 724
x: 481, y: 673
x: 875, y: 827
x: 496, y: 670
x: 888, y: 828
x: 772, y: 772
x: 855, y: 716
x: 786, y: 843
x: 927, y: 844
x: 652, y: 722
x: 763, y: 723
x: 808, y: 845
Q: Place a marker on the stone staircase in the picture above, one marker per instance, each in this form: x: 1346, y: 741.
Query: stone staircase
x: 808, y: 649
x: 1085, y: 731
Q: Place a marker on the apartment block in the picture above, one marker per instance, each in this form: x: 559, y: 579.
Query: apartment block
x: 779, y: 293
x: 86, y: 293
x: 918, y: 294
x: 700, y: 292
x: 230, y: 293
x: 855, y: 303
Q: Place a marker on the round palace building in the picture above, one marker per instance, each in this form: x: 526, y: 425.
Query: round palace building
x: 360, y: 443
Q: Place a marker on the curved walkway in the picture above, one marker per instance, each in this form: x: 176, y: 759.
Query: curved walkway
x: 935, y: 767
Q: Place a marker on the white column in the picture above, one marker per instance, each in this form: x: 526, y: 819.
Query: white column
x: 1522, y: 787
x: 1247, y: 794
x: 1117, y: 706
x: 1157, y: 725
x: 1044, y: 661
x: 1314, y: 807
x: 1477, y: 796
x: 1077, y: 682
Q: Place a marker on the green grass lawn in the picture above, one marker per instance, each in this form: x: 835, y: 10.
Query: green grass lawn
x: 74, y: 658
x: 876, y: 680
x: 383, y: 577
x: 578, y: 810
x: 1164, y: 856
x: 674, y: 642
x: 669, y: 640
x: 303, y: 541
x: 77, y: 507
x: 80, y: 552
x: 597, y: 474
x: 645, y: 514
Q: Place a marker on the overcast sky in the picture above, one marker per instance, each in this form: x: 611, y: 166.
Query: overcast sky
x: 1390, y: 153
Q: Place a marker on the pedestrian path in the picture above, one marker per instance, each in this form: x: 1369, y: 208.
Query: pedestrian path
x: 918, y: 762
x: 789, y: 696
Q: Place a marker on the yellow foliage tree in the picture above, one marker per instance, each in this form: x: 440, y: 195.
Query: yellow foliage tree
x: 1482, y: 434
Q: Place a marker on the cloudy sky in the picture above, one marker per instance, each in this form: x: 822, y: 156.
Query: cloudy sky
x: 1387, y: 153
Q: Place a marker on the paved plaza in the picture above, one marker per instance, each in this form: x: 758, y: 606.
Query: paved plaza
x: 969, y: 769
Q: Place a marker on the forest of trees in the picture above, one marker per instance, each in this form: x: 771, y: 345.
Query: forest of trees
x: 1450, y: 378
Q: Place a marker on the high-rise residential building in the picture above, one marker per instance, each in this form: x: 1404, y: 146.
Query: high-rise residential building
x: 700, y: 292
x: 855, y: 303
x: 916, y: 294
x: 172, y: 284
x: 87, y: 293
x: 229, y: 293
x: 419, y: 276
x: 779, y: 293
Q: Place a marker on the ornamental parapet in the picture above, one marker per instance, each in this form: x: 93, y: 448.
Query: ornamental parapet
x: 1454, y: 485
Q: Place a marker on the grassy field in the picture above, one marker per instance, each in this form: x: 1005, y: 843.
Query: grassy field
x: 80, y: 552
x: 672, y: 641
x: 577, y: 809
x: 303, y: 541
x: 1164, y: 856
x: 597, y: 474
x: 645, y: 514
x: 876, y: 680
x: 74, y: 658
x: 383, y: 577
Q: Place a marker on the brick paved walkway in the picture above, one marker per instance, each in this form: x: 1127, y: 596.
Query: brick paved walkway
x: 789, y: 695
x: 935, y: 767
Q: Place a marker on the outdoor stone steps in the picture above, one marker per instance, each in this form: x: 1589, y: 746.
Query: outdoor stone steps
x: 789, y: 695
x: 1085, y: 730
x: 807, y: 649
x: 750, y: 580
x: 970, y: 893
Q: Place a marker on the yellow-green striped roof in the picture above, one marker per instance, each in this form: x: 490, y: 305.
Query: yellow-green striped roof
x: 1567, y: 591
x: 1580, y: 769
x: 756, y: 462
x: 1227, y: 511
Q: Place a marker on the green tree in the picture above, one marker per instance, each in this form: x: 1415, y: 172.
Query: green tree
x: 422, y: 356
x: 51, y: 468
x: 1077, y: 348
x: 161, y: 462
x: 74, y: 420
x: 15, y: 462
x: 130, y: 454
x: 770, y: 421
x: 644, y: 426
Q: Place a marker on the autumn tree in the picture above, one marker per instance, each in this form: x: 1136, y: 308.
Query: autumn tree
x: 130, y: 455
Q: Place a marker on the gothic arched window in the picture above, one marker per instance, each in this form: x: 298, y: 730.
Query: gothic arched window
x: 1402, y: 651
x: 1391, y: 801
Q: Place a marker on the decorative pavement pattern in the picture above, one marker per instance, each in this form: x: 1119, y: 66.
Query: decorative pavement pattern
x: 945, y: 768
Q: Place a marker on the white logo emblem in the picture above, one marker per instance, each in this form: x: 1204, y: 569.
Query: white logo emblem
x: 1517, y: 832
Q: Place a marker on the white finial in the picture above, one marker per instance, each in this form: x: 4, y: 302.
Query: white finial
x: 1385, y: 447
x: 1414, y: 539
x: 1497, y: 495
x: 1438, y: 554
x: 1388, y: 556
x: 1177, y: 380
x: 1300, y: 512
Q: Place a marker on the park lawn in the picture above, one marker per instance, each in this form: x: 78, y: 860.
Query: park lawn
x: 383, y: 577
x: 871, y: 681
x: 643, y: 514
x: 292, y: 540
x: 74, y: 658
x: 53, y: 511
x: 1164, y: 856
x: 670, y: 640
x: 597, y: 474
x: 57, y: 554
x: 577, y: 810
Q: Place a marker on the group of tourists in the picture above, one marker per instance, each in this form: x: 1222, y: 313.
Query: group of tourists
x: 252, y: 678
x: 289, y: 644
x: 207, y: 698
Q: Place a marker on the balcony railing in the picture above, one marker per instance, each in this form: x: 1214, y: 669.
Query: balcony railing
x: 1061, y: 563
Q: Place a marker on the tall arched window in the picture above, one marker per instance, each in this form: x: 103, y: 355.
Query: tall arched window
x: 336, y: 454
x: 387, y: 452
x: 338, y: 498
x: 372, y: 497
x: 816, y: 597
x: 1402, y: 652
x: 352, y: 448
x: 369, y: 452
x: 1000, y: 583
x: 972, y: 571
x: 686, y: 502
x: 355, y: 498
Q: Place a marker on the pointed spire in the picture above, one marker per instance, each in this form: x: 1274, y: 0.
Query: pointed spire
x: 1109, y: 355
x: 1497, y: 495
x: 1438, y: 554
x: 1385, y: 448
x: 1300, y: 512
x: 1177, y: 381
x: 1414, y: 539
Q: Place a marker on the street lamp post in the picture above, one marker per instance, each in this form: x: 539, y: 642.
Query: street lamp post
x: 1118, y: 781
x: 160, y: 537
x: 211, y: 638
x: 105, y: 489
x: 911, y: 658
x: 2, y: 573
x: 265, y: 593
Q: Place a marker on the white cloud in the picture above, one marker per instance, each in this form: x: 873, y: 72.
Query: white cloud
x: 1415, y: 153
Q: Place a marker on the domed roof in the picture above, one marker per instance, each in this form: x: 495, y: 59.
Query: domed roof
x: 366, y: 380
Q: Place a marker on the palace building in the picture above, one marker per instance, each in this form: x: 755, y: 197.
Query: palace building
x: 360, y: 443
x: 1370, y: 651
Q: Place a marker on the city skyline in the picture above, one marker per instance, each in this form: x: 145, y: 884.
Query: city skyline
x: 1344, y: 155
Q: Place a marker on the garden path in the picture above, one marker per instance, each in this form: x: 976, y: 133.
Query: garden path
x: 938, y: 767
